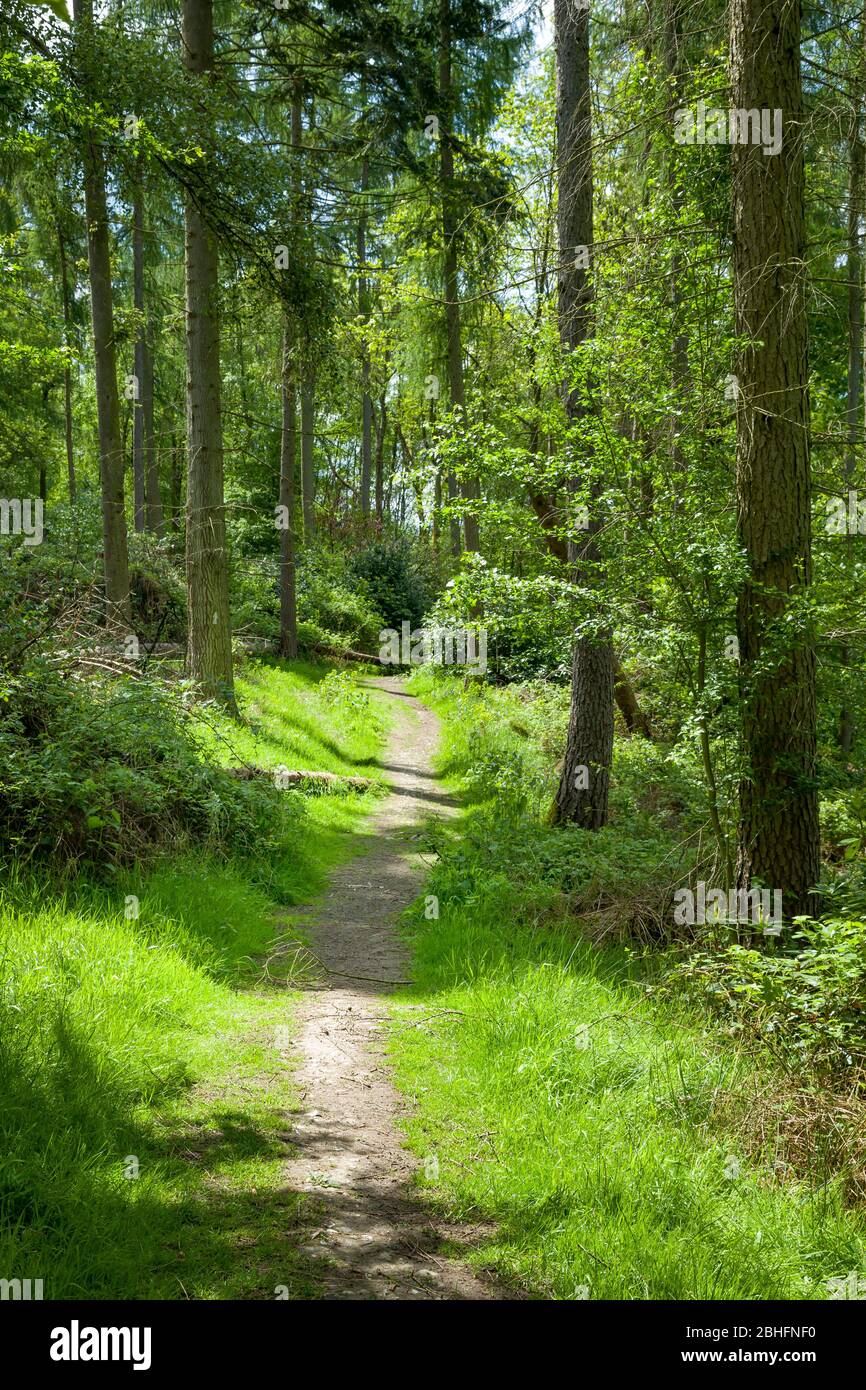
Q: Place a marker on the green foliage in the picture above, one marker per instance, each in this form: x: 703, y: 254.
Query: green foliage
x: 806, y: 1001
x: 619, y: 1146
x: 102, y: 773
x: 528, y: 620
x: 339, y: 692
x: 129, y: 1028
x: 332, y: 609
x: 392, y: 576
x: 157, y: 593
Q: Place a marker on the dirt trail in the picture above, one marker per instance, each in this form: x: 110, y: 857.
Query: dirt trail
x: 373, y: 1238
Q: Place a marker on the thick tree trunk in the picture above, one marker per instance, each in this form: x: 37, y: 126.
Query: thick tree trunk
x: 148, y: 503
x: 778, y: 837
x: 469, y: 488
x: 582, y: 795
x: 114, y: 541
x: 141, y: 351
x: 672, y: 57
x: 308, y: 375
x: 288, y: 453
x: 855, y: 368
x: 209, y: 645
x: 363, y: 312
x: 67, y: 373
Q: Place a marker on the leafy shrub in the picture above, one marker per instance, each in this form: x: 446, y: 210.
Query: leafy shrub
x: 555, y: 872
x: 332, y: 608
x: 529, y: 622
x: 107, y: 771
x: 339, y: 611
x: 338, y: 690
x: 497, y: 771
x: 843, y: 892
x: 843, y: 823
x: 394, y: 582
x: 806, y: 1000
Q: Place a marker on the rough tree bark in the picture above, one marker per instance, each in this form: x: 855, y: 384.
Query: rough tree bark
x: 153, y: 512
x: 114, y: 540
x: 66, y: 300
x: 308, y: 376
x: 209, y: 646
x: 582, y: 795
x: 363, y: 312
x: 141, y: 352
x: 855, y: 364
x: 308, y: 465
x: 288, y: 451
x: 469, y: 488
x: 176, y: 484
x: 672, y: 57
x: 778, y: 836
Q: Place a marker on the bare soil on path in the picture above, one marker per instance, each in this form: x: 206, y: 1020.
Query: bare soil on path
x: 373, y: 1239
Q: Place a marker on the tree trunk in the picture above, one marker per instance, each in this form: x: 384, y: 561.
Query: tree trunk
x: 176, y: 483
x: 288, y: 451
x: 209, y: 645
x: 308, y: 376
x: 855, y: 369
x: 381, y: 427
x: 148, y: 503
x: 437, y: 507
x: 153, y: 516
x: 778, y: 835
x: 308, y: 465
x: 469, y: 488
x: 672, y: 57
x: 67, y: 374
x: 633, y: 716
x: 138, y: 443
x: 582, y: 795
x: 43, y: 471
x: 114, y: 542
x: 363, y: 312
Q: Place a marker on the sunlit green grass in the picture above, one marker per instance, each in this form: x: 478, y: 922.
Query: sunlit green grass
x: 587, y: 1124
x: 139, y: 1035
x: 294, y: 715
x: 290, y: 719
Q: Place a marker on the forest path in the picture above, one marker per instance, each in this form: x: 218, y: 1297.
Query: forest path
x: 374, y: 1239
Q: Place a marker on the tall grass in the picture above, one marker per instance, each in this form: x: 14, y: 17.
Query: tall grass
x: 145, y: 1082
x: 592, y: 1127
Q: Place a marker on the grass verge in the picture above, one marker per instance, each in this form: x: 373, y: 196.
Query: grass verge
x: 145, y: 1073
x: 597, y: 1130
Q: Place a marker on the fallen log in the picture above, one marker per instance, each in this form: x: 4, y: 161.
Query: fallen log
x: 347, y: 654
x: 287, y: 777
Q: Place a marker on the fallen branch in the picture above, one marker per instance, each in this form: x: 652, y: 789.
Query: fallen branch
x: 291, y: 778
x: 347, y: 654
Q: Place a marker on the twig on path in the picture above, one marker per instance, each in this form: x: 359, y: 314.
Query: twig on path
x: 372, y: 979
x: 435, y: 1009
x: 341, y: 974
